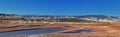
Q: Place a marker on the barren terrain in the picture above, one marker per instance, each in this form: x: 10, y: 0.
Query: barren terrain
x: 98, y: 30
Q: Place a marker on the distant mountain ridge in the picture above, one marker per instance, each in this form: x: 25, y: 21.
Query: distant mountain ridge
x: 82, y: 16
x: 97, y: 16
x: 7, y: 14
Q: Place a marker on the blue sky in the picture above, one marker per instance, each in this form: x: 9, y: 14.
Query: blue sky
x: 61, y: 7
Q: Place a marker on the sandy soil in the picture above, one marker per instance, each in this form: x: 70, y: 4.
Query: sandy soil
x: 99, y: 30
